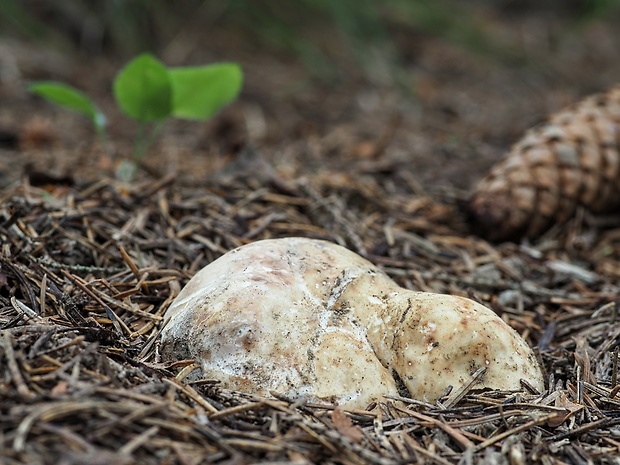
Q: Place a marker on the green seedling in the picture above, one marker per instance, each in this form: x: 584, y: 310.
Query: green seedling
x: 151, y: 93
x: 68, y: 97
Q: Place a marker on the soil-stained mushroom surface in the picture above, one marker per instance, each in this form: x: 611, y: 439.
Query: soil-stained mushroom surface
x: 309, y: 318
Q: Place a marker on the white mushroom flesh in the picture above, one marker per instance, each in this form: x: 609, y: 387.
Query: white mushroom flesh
x: 308, y: 318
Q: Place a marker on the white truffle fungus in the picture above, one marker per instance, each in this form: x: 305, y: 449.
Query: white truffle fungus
x: 305, y: 317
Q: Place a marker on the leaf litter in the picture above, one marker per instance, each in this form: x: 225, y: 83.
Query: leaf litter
x: 87, y: 272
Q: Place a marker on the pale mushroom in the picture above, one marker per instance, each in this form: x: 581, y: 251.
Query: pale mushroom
x: 305, y: 317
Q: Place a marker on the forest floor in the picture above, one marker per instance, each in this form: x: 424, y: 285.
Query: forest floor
x: 88, y: 265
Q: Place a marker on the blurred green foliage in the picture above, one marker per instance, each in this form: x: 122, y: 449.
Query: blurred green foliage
x: 325, y: 35
x: 149, y: 92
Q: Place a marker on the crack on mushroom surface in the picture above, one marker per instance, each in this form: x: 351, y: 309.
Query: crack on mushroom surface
x: 308, y: 318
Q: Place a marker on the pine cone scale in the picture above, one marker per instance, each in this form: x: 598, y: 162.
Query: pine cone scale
x: 572, y: 160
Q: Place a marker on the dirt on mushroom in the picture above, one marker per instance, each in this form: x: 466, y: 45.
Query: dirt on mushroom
x: 310, y: 319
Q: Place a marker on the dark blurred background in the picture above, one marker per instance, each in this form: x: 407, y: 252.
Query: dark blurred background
x: 438, y: 89
x: 328, y: 37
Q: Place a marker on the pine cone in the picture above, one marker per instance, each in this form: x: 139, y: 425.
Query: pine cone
x: 571, y: 160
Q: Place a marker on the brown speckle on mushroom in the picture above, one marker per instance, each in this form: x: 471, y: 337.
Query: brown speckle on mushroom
x: 309, y: 318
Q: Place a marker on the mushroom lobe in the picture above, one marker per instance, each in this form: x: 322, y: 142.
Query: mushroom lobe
x: 305, y: 317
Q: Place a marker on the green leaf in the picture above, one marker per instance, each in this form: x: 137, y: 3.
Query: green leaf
x: 69, y: 97
x: 201, y: 91
x: 143, y: 90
